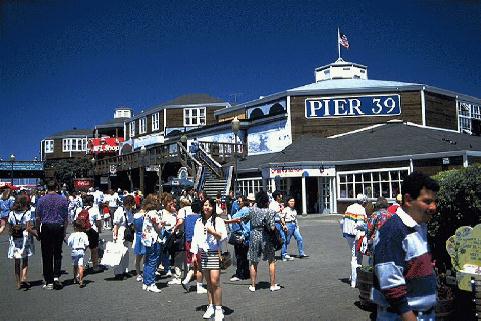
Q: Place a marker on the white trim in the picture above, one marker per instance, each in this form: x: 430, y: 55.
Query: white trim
x: 142, y: 125
x: 423, y: 106
x: 434, y: 128
x: 165, y: 120
x: 132, y: 129
x: 51, y: 145
x: 69, y: 143
x: 457, y: 114
x: 465, y: 160
x: 155, y: 124
x: 363, y: 129
x: 197, y: 120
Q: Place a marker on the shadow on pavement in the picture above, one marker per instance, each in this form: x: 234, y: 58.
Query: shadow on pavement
x: 203, y: 308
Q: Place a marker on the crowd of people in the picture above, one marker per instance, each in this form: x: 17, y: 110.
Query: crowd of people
x: 181, y: 236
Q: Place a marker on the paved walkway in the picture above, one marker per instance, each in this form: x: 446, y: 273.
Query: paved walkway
x: 313, y: 289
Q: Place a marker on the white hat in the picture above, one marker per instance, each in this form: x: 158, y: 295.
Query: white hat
x: 251, y: 197
x: 361, y: 198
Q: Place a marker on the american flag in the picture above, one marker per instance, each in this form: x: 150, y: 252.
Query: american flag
x: 343, y: 40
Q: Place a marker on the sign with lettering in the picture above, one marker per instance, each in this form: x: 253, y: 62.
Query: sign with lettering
x: 82, y: 184
x: 21, y: 166
x: 353, y: 106
x: 292, y: 171
x: 464, y: 247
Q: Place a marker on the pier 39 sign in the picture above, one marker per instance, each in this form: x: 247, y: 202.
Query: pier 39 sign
x: 354, y: 106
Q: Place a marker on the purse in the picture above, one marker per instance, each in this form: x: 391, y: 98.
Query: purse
x: 129, y: 231
x: 275, y: 238
x: 236, y: 238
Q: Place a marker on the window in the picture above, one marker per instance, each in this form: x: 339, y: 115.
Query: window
x: 373, y: 183
x: 74, y: 144
x: 194, y: 116
x: 249, y: 185
x: 467, y: 112
x: 132, y: 128
x: 155, y: 121
x: 143, y: 125
x: 48, y: 146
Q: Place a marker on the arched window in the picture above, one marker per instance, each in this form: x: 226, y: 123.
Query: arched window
x: 256, y: 113
x: 276, y: 109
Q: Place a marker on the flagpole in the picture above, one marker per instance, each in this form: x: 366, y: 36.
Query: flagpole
x: 338, y: 44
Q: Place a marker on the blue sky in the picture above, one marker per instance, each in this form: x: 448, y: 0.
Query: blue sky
x: 68, y: 64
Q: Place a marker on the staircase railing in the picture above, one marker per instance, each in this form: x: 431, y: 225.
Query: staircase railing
x: 187, y: 160
x: 215, y: 167
x: 199, y: 178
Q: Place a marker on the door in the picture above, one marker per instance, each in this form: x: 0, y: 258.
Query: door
x: 325, y: 192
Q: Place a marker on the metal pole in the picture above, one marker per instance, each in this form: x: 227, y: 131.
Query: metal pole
x: 11, y: 173
x: 235, y: 159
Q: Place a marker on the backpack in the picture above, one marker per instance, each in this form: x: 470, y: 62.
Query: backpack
x: 17, y: 229
x: 83, y: 219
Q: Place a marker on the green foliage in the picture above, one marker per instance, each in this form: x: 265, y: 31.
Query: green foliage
x: 459, y: 204
x: 65, y: 170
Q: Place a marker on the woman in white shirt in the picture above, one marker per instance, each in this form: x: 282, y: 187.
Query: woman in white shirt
x: 123, y: 219
x: 289, y: 214
x: 209, y: 232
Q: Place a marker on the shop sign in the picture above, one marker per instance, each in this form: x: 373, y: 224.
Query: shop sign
x: 104, y: 145
x: 353, y: 106
x: 81, y: 184
x: 153, y: 168
x: 292, y: 171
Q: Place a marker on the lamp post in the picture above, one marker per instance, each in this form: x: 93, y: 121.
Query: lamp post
x: 143, y: 152
x: 235, y: 130
x: 12, y: 159
x: 92, y: 162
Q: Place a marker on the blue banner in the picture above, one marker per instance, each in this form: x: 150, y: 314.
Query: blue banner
x: 21, y: 166
x: 354, y: 106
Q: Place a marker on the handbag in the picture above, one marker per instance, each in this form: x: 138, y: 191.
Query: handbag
x: 113, y: 254
x: 129, y: 231
x: 275, y: 238
x: 236, y: 238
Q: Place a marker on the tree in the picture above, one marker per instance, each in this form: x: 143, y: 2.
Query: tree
x: 459, y: 204
x: 65, y: 170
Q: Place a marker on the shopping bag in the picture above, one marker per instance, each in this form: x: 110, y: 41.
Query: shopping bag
x: 114, y: 251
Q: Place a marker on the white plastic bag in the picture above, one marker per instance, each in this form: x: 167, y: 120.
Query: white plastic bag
x: 114, y: 251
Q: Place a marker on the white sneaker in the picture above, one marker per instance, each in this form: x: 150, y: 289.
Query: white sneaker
x: 219, y: 315
x: 287, y: 258
x: 174, y: 281
x: 201, y: 289
x: 209, y: 313
x: 169, y: 273
x: 153, y: 288
x: 275, y: 287
x: 178, y: 272
x: 139, y: 278
x: 144, y: 287
x: 252, y: 288
x: 234, y: 279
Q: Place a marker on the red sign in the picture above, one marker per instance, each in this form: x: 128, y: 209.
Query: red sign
x: 104, y: 145
x: 82, y: 183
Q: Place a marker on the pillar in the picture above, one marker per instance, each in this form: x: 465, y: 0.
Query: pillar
x: 141, y: 173
x: 304, y: 196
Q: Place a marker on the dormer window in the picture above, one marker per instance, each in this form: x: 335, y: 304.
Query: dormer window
x: 194, y: 116
x: 155, y: 121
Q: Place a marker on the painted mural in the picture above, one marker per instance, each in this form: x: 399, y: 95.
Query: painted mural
x: 269, y: 138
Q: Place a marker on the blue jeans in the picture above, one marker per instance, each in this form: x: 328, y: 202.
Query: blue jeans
x: 293, y: 229
x: 283, y: 235
x: 383, y: 315
x: 150, y: 263
x: 164, y: 258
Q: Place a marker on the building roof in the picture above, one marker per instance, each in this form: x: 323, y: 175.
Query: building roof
x: 114, y: 122
x: 335, y: 85
x: 389, y: 140
x: 72, y: 133
x: 184, y: 100
x: 376, y: 143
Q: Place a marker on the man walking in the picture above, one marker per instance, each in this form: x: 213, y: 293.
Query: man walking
x: 52, y: 219
x: 405, y: 283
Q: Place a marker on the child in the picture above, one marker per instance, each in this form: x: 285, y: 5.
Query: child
x: 21, y: 242
x: 78, y: 241
x: 106, y: 216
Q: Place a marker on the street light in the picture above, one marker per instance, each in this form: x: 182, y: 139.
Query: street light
x: 235, y: 130
x: 12, y: 159
x: 143, y: 151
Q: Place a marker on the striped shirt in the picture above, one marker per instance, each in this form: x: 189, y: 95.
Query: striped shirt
x: 405, y: 278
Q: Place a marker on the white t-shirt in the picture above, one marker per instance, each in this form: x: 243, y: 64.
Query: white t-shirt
x: 205, y: 241
x: 183, y: 212
x: 94, y: 216
x: 78, y: 240
x: 119, y: 217
x: 169, y: 219
x: 16, y: 217
x: 289, y: 214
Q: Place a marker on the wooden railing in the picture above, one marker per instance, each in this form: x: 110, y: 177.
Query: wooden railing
x: 223, y: 152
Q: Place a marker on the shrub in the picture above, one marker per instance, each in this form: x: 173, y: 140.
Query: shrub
x: 459, y: 204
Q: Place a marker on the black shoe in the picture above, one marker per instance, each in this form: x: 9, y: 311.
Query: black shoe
x: 185, y: 286
x: 57, y: 285
x: 119, y: 277
x: 305, y: 256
